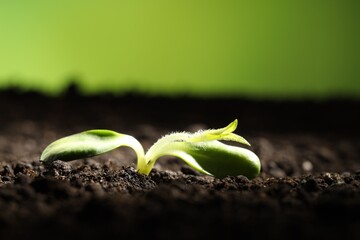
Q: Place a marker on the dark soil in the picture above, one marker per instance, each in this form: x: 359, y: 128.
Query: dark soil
x: 309, y: 187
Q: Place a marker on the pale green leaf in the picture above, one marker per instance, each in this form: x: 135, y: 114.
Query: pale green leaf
x: 225, y: 133
x: 236, y: 138
x: 222, y: 160
x: 89, y: 143
x: 212, y: 158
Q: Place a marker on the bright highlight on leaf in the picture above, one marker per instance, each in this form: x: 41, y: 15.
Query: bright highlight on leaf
x: 201, y: 150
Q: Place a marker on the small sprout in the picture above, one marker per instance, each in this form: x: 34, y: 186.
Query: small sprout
x: 201, y: 150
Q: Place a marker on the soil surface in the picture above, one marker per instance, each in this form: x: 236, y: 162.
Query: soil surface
x: 309, y: 186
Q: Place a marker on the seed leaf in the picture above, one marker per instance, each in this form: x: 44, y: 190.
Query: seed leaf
x: 89, y: 143
x: 216, y: 158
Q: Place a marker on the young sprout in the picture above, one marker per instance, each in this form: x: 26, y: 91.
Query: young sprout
x: 202, y: 150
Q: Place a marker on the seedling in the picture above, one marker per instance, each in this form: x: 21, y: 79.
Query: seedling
x: 201, y: 150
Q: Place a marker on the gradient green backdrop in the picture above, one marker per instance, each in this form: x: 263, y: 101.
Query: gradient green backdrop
x: 268, y: 48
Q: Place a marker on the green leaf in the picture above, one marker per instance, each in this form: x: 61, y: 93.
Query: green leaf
x: 219, y: 134
x: 216, y: 158
x: 223, y: 160
x: 90, y: 143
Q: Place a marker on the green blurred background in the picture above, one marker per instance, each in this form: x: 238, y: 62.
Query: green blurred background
x: 271, y: 49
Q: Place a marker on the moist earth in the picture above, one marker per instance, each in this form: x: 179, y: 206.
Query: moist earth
x: 309, y: 186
